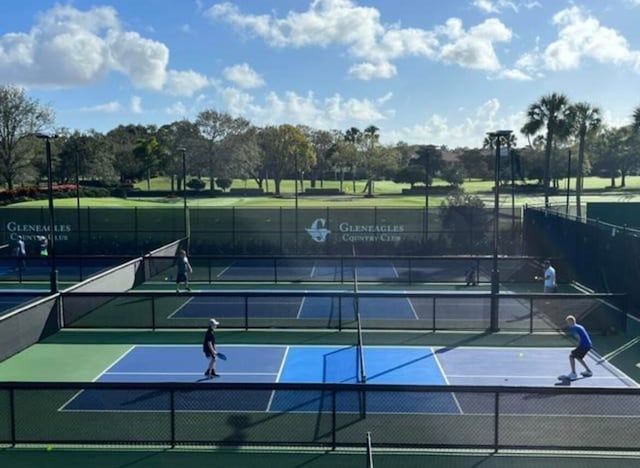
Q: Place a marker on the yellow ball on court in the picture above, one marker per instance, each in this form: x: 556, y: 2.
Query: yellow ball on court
x: 520, y: 354
x: 49, y: 448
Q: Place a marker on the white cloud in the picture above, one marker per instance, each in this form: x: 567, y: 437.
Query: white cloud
x: 109, y: 107
x: 581, y: 36
x: 185, y: 28
x: 496, y: 6
x: 514, y: 74
x: 470, y: 131
x: 244, y: 76
x: 374, y: 44
x: 177, y: 108
x: 69, y: 47
x: 474, y: 48
x: 136, y: 104
x: 185, y: 83
x: 385, y: 98
x: 290, y: 107
x: 369, y: 70
x: 143, y: 60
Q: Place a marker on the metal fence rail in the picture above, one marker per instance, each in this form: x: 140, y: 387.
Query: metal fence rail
x: 421, y: 310
x: 173, y: 414
x: 370, y: 269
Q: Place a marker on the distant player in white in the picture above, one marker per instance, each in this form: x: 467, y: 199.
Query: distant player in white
x: 550, y: 285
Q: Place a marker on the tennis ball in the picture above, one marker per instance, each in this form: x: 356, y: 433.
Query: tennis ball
x: 49, y: 448
x: 520, y: 354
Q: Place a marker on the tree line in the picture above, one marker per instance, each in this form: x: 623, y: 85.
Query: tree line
x: 219, y: 147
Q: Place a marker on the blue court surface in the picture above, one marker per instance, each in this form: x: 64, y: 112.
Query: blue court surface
x: 339, y: 364
x: 8, y: 303
x: 318, y: 270
x: 380, y: 308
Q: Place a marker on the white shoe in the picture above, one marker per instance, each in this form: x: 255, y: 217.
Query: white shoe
x: 586, y: 374
x: 572, y: 376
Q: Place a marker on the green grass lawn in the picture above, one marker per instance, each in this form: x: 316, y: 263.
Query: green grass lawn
x: 387, y: 193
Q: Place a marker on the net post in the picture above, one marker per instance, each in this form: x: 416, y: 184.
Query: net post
x: 12, y: 409
x: 334, y: 423
x: 496, y: 420
x: 172, y: 397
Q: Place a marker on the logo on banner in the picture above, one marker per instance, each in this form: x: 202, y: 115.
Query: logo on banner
x: 318, y: 231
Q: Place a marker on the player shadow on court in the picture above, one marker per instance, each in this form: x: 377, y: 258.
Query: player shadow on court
x: 239, y: 424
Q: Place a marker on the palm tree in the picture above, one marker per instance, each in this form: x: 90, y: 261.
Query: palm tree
x: 550, y: 112
x: 371, y: 136
x: 353, y: 136
x: 636, y: 120
x: 586, y: 119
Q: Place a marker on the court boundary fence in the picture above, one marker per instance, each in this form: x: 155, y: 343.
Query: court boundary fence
x: 496, y: 428
x: 406, y: 269
x: 80, y: 304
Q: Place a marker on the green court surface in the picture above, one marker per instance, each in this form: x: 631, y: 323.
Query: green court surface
x: 19, y: 458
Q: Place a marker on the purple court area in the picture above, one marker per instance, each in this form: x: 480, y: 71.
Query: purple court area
x: 474, y: 366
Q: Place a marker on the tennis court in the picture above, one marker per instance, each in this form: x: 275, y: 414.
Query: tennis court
x: 368, y: 269
x: 396, y: 365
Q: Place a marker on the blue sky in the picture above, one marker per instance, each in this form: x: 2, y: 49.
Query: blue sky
x: 423, y: 71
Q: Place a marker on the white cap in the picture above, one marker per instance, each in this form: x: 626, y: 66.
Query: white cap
x: 214, y: 322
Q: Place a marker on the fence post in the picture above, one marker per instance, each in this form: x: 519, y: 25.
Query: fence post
x: 339, y: 313
x: 275, y: 270
x: 12, y: 409
x: 496, y: 439
x: 246, y: 313
x: 153, y: 312
x: 135, y: 228
x: 433, y: 302
x: 173, y: 417
x: 233, y: 230
x: 334, y: 426
x: 530, y: 315
x: 410, y: 272
x: 209, y: 268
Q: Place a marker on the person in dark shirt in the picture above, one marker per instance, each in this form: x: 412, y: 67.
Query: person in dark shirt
x: 184, y: 269
x: 584, y: 345
x: 209, y: 348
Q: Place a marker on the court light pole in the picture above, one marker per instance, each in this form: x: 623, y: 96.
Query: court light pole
x: 78, y: 202
x: 568, y: 182
x: 496, y: 137
x: 295, y: 170
x: 183, y: 151
x: 53, y: 276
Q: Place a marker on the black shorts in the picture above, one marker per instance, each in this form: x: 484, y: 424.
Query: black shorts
x: 580, y: 352
x: 208, y: 354
x: 181, y: 278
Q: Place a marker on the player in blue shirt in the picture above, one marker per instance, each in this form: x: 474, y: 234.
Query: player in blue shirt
x: 584, y: 345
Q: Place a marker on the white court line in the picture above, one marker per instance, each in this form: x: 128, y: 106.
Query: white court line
x: 273, y: 392
x: 395, y: 272
x: 122, y: 356
x: 415, y: 314
x: 474, y: 376
x: 313, y: 270
x: 188, y: 373
x: 225, y: 269
x: 180, y: 308
x: 300, y: 307
x: 446, y: 380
